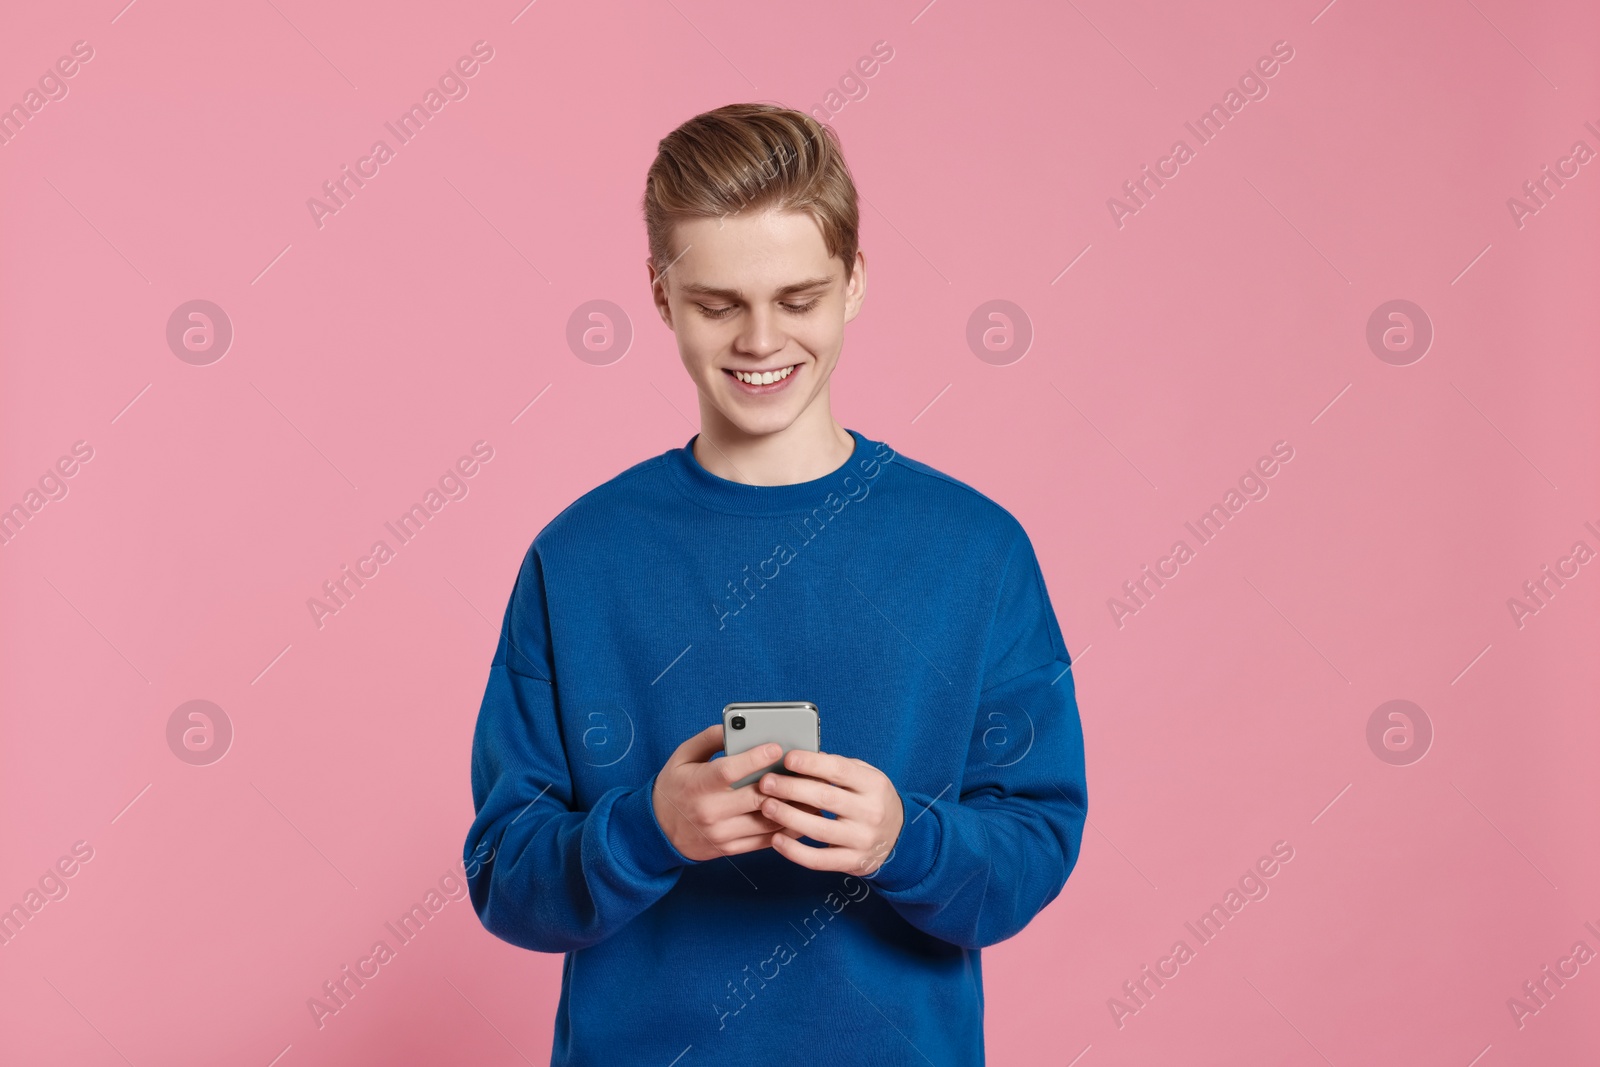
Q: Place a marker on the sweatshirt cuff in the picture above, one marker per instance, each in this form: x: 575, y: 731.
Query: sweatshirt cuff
x: 637, y: 841
x: 917, y: 849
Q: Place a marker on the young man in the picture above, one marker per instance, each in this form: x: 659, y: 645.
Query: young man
x: 834, y: 916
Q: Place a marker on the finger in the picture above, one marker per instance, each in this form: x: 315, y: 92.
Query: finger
x: 749, y: 798
x: 752, y: 844
x: 833, y: 831
x: 842, y: 771
x: 759, y: 840
x: 709, y: 815
x: 721, y: 805
x: 699, y: 748
x: 818, y: 859
x: 745, y: 825
x: 745, y: 798
x: 732, y: 768
x: 819, y: 795
x: 713, y: 840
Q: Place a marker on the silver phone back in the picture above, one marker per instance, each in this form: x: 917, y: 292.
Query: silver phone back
x: 792, y: 724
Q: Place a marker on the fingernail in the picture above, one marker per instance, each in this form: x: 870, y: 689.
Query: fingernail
x: 773, y: 752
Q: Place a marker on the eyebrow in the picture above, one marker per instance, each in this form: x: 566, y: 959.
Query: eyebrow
x: 696, y: 289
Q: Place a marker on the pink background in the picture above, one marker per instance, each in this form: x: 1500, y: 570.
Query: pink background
x: 1229, y: 313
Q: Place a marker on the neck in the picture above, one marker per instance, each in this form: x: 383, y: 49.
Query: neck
x: 811, y: 447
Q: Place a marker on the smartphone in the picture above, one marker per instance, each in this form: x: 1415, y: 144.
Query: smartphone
x: 790, y: 723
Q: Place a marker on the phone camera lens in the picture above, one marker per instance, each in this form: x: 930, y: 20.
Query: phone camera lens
x: 737, y: 722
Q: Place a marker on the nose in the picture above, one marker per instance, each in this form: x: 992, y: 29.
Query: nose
x: 762, y: 334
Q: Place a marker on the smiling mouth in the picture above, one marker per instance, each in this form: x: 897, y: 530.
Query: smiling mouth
x: 770, y: 377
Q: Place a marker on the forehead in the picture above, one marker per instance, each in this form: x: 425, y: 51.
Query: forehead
x: 751, y: 253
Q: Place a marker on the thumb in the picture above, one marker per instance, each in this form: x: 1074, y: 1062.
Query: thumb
x: 699, y: 748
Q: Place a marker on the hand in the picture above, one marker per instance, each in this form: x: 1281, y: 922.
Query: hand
x: 701, y: 815
x: 867, y: 809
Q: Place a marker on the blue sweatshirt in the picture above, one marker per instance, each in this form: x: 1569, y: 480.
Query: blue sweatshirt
x: 911, y: 610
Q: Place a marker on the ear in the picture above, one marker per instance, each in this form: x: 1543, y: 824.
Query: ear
x: 658, y: 292
x: 856, y: 289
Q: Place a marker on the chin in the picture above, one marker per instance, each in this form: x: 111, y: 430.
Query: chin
x: 759, y: 424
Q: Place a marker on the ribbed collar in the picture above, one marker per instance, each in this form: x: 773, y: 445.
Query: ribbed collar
x: 737, y: 498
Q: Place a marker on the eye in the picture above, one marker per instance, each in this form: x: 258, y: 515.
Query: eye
x: 724, y: 312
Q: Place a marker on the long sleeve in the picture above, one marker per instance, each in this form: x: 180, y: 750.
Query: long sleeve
x: 973, y: 869
x: 542, y: 875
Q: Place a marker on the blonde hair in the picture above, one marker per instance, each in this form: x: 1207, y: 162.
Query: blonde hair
x: 750, y: 157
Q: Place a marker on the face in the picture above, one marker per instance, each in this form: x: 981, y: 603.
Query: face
x: 757, y: 295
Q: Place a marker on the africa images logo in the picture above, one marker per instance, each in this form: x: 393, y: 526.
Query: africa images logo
x: 727, y: 605
x: 452, y: 85
x: 1252, y: 86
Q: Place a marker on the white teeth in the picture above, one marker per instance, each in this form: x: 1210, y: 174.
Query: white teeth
x: 765, y: 377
